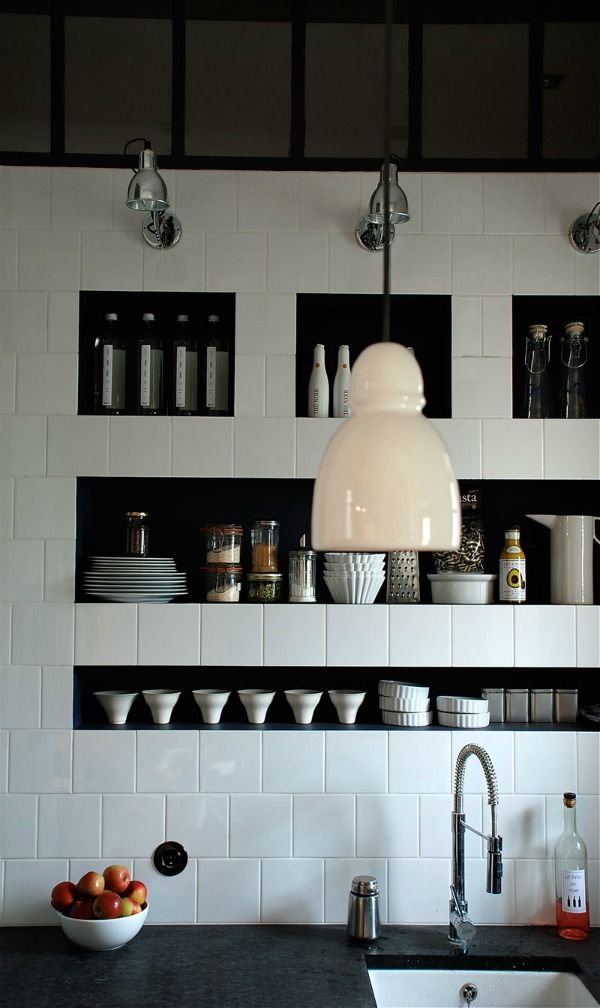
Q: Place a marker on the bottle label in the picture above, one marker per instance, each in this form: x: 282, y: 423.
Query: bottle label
x: 217, y: 379
x: 186, y: 379
x: 145, y: 360
x: 150, y: 376
x: 512, y: 578
x: 107, y: 375
x: 573, y: 891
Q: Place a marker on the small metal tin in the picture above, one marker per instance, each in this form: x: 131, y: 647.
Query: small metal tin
x: 517, y: 705
x: 541, y: 702
x: 566, y: 704
x: 495, y: 699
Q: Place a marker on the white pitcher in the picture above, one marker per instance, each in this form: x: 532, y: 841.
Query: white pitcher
x: 571, y: 557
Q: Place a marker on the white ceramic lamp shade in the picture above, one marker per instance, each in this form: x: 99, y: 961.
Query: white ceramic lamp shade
x: 386, y: 481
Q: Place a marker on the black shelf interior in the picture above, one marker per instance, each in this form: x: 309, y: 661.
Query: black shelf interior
x: 88, y: 713
x: 180, y: 507
x: 555, y: 312
x: 421, y: 321
x: 166, y: 306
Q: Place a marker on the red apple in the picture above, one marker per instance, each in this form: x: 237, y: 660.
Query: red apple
x: 129, y: 907
x: 91, y: 884
x: 107, y: 905
x: 82, y: 910
x: 137, y: 892
x: 63, y: 895
x: 116, y: 878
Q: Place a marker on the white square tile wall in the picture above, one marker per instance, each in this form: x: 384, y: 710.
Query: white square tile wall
x: 276, y: 822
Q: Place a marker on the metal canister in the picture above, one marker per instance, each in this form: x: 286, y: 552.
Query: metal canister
x: 566, y: 703
x: 517, y: 705
x: 363, y: 909
x: 541, y: 702
x: 495, y: 698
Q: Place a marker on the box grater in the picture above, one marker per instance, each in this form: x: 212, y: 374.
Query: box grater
x: 403, y: 577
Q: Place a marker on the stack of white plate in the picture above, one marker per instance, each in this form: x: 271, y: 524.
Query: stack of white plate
x: 354, y: 577
x: 462, y: 712
x: 134, y: 579
x: 404, y: 704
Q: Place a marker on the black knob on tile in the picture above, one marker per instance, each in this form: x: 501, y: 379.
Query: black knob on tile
x: 170, y: 858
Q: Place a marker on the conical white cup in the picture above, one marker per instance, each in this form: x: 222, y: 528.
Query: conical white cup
x: 161, y: 703
x: 116, y: 704
x: 211, y: 703
x: 256, y: 703
x: 303, y: 703
x: 346, y: 703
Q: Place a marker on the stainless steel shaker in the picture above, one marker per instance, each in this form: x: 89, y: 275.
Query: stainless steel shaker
x: 302, y: 574
x: 363, y: 909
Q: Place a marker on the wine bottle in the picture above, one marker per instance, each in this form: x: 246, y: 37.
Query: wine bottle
x: 185, y: 370
x: 216, y: 386
x: 150, y: 369
x: 318, y: 385
x: 570, y: 863
x: 342, y: 385
x: 109, y: 368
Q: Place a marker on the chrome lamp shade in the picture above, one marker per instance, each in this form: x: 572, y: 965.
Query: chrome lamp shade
x: 147, y: 189
x: 398, y: 204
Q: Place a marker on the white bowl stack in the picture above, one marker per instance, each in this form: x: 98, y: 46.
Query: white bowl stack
x: 462, y: 712
x: 134, y: 579
x: 354, y: 578
x: 404, y: 704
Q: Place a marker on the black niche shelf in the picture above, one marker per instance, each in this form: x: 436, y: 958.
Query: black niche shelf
x: 88, y: 714
x: 420, y: 321
x: 555, y: 311
x: 166, y: 306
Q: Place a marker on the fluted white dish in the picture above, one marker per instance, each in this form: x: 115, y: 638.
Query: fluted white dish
x: 256, y: 703
x: 116, y: 704
x: 355, y: 587
x: 461, y: 705
x: 211, y: 703
x: 407, y: 719
x: 161, y: 703
x: 402, y: 690
x: 403, y: 705
x: 344, y: 557
x: 449, y: 720
x: 303, y: 703
x: 346, y: 703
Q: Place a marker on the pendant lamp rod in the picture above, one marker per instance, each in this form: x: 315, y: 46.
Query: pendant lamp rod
x: 387, y: 130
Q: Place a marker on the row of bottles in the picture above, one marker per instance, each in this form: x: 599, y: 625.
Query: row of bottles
x: 538, y: 400
x: 193, y: 380
x: 318, y: 385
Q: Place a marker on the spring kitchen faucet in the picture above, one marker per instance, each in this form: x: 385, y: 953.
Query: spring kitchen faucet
x: 462, y: 929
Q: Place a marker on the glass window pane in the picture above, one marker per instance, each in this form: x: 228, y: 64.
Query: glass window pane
x: 25, y: 82
x: 117, y: 83
x: 571, y: 91
x: 238, y: 77
x: 344, y: 90
x: 475, y: 90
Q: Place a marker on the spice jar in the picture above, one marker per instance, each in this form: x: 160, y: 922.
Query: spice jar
x: 137, y: 533
x: 223, y: 582
x: 264, y: 537
x: 223, y: 543
x: 302, y: 571
x: 264, y: 587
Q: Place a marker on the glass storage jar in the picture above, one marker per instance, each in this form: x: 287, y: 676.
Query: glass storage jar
x: 264, y: 537
x: 264, y: 587
x: 223, y: 543
x: 137, y: 534
x: 223, y: 582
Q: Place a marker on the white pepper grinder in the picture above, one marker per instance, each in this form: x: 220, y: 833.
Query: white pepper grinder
x: 318, y: 385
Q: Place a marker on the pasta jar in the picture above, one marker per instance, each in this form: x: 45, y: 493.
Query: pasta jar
x: 264, y: 537
x: 223, y: 543
x: 223, y: 582
x: 264, y: 587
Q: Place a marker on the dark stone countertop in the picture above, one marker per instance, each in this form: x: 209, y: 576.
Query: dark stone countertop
x: 258, y: 966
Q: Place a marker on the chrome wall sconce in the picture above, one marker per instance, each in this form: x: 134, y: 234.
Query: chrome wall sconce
x: 370, y: 231
x: 584, y: 233
x: 147, y: 191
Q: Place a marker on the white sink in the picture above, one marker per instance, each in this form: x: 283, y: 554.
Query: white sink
x: 425, y: 988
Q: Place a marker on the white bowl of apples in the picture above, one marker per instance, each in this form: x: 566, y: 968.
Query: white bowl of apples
x: 103, y: 910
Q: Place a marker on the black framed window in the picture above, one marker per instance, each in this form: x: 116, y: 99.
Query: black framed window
x: 297, y: 84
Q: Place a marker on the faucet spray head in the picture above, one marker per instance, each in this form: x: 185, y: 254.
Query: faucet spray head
x: 494, y: 865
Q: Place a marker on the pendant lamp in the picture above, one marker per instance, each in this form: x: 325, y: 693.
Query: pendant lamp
x: 386, y: 481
